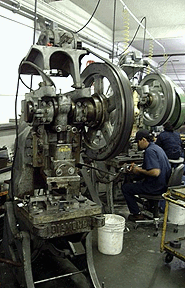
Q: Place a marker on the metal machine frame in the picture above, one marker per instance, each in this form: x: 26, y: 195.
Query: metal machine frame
x: 46, y: 210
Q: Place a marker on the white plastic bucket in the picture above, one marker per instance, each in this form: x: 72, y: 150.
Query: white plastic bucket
x: 176, y: 213
x: 110, y: 236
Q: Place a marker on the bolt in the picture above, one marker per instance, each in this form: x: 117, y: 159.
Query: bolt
x: 84, y: 119
x: 74, y: 129
x: 71, y: 170
x: 68, y: 128
x: 58, y: 128
x: 59, y: 172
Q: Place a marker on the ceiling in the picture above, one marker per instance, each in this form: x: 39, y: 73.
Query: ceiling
x: 164, y: 39
x: 165, y: 22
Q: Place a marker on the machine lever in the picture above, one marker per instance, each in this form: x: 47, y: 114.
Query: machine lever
x: 80, y: 165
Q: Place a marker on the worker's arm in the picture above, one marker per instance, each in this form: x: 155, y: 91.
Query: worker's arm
x: 152, y: 172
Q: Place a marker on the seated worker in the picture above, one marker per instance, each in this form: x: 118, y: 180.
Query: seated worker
x: 171, y: 142
x: 156, y: 170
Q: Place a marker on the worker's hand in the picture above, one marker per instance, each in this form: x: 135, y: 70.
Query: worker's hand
x: 130, y: 168
x: 136, y: 170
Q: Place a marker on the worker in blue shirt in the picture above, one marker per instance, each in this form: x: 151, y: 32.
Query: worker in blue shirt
x: 171, y: 142
x: 156, y: 170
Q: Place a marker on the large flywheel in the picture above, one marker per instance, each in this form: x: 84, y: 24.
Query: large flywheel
x: 165, y: 101
x: 178, y: 117
x: 161, y: 101
x: 110, y: 87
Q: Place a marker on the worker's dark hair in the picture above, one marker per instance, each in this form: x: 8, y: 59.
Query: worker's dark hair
x: 150, y: 137
x: 143, y: 133
x: 168, y: 127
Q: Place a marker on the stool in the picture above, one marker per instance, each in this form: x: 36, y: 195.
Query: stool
x: 154, y: 219
x: 155, y: 199
x: 175, y: 180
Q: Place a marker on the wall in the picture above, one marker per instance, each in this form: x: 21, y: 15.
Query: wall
x: 16, y: 39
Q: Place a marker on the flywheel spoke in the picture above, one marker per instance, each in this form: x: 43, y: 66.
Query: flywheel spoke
x: 107, y: 131
x: 111, y: 103
x: 98, y: 84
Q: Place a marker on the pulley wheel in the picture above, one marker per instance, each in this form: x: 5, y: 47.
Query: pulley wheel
x: 162, y: 99
x: 110, y: 85
x: 178, y: 117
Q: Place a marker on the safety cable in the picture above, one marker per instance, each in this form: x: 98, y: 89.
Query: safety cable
x: 132, y: 38
x: 16, y: 139
x: 25, y: 84
x: 89, y: 18
x: 134, y: 17
x: 44, y: 76
x: 163, y: 62
x: 164, y: 69
x: 144, y: 38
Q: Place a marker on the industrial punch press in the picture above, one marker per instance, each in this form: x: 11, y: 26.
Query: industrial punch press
x: 46, y: 211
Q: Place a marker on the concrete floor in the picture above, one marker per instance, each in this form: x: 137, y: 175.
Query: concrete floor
x: 139, y: 265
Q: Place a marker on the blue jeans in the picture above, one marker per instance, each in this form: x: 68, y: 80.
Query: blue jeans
x: 131, y: 189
